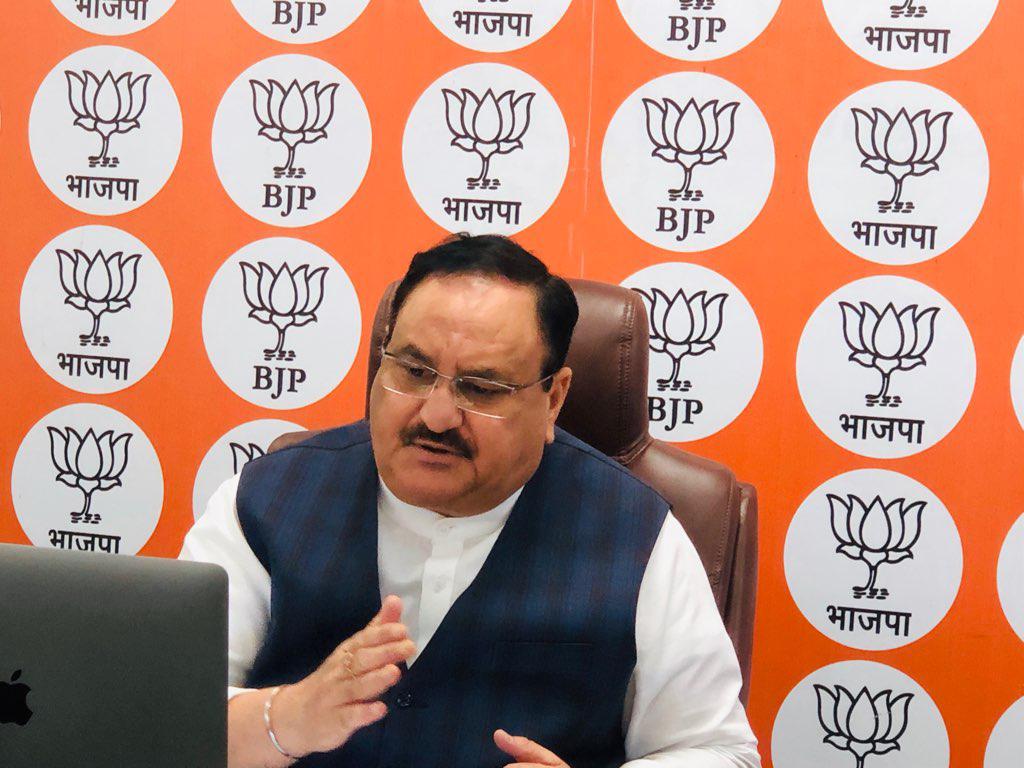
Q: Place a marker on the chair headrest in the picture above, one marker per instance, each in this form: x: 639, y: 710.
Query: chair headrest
x: 607, y: 402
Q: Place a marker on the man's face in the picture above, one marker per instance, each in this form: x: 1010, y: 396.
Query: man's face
x: 431, y: 453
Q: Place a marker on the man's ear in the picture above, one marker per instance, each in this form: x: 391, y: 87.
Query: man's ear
x: 560, y: 383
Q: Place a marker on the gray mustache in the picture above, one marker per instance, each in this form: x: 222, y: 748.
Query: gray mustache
x: 451, y: 439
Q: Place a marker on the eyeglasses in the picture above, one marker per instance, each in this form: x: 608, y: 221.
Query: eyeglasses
x: 484, y: 397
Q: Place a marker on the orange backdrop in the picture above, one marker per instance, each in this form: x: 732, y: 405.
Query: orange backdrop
x: 785, y: 263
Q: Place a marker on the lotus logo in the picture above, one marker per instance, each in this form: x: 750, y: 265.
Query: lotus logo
x: 106, y: 106
x: 282, y: 298
x: 875, y: 533
x: 99, y: 285
x: 888, y: 341
x: 88, y: 463
x: 242, y: 455
x: 682, y: 326
x: 865, y: 725
x: 696, y: 135
x: 900, y: 147
x: 487, y: 126
x: 908, y: 10
x: 293, y: 115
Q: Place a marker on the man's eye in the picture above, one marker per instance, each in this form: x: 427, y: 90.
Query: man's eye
x: 482, y: 388
x: 416, y: 373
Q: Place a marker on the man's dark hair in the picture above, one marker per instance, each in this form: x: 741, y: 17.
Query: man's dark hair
x: 497, y: 256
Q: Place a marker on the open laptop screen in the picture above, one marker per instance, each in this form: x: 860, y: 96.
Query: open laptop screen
x: 107, y: 660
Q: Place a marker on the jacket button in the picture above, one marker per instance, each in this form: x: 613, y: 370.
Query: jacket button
x: 404, y: 700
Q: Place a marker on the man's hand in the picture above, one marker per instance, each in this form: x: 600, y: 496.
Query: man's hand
x: 526, y: 753
x: 322, y: 711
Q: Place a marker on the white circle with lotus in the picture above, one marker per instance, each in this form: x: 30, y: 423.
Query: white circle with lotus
x: 485, y: 150
x: 705, y: 346
x: 910, y: 34
x: 113, y: 17
x: 859, y: 714
x: 86, y: 478
x: 291, y: 140
x: 1004, y: 743
x: 281, y: 323
x: 231, y: 452
x: 697, y: 30
x: 96, y: 309
x: 1017, y: 382
x: 898, y: 173
x: 1010, y: 577
x: 873, y: 559
x: 886, y: 367
x: 105, y: 130
x: 299, y: 21
x: 497, y: 26
x: 688, y: 161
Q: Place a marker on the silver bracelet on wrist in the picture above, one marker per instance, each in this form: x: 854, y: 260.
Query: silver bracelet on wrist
x: 270, y: 730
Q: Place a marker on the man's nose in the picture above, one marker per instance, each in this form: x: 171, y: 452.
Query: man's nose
x: 439, y: 411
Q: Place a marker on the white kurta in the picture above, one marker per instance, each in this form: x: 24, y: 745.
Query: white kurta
x: 681, y: 708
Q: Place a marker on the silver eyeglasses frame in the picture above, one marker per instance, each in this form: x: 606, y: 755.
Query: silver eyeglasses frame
x: 509, y: 389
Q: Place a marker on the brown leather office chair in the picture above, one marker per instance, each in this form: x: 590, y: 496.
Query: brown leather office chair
x: 607, y: 407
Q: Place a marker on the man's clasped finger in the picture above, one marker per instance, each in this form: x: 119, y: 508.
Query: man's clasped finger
x: 365, y: 660
x: 526, y: 753
x: 322, y: 711
x: 371, y: 685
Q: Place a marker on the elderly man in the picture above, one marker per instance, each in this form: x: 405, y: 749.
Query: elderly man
x: 459, y: 583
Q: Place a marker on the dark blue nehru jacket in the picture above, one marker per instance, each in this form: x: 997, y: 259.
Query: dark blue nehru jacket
x: 541, y: 643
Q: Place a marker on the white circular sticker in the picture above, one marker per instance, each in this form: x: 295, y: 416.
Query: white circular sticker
x: 113, y: 17
x: 96, y: 309
x: 300, y: 21
x: 697, y: 30
x: 485, y: 150
x: 495, y: 26
x: 86, y: 478
x: 1006, y: 741
x: 886, y: 367
x: 898, y: 173
x: 281, y: 323
x: 688, y: 161
x: 291, y: 140
x: 705, y: 350
x: 1017, y: 382
x: 105, y: 130
x: 909, y: 34
x: 1010, y: 577
x: 873, y: 559
x: 859, y: 714
x: 233, y: 451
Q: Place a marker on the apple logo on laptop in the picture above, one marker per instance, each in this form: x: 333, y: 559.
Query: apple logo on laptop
x: 13, y: 701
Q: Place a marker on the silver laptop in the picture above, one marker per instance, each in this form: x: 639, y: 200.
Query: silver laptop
x: 107, y: 660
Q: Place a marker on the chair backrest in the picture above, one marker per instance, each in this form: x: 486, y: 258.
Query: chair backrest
x: 607, y: 408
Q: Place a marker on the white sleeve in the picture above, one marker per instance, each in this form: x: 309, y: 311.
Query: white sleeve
x: 683, y: 704
x: 217, y: 538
